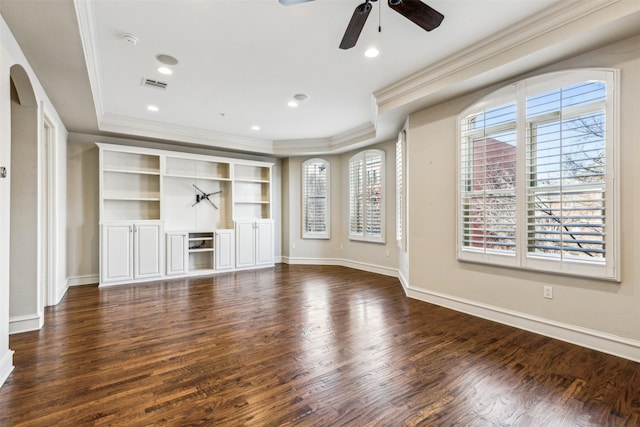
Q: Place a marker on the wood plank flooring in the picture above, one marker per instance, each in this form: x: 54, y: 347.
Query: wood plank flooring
x: 299, y: 345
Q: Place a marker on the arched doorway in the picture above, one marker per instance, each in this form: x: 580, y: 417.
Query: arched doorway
x: 25, y: 302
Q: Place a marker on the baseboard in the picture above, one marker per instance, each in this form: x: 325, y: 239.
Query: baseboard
x: 61, y: 292
x: 404, y: 282
x: 27, y: 323
x: 584, y: 337
x: 88, y: 279
x: 6, y: 366
x: 385, y: 271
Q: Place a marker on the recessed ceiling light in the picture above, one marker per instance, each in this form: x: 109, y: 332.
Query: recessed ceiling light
x: 292, y: 104
x: 255, y: 127
x: 372, y: 52
x: 301, y: 97
x: 152, y: 108
x: 166, y: 59
x: 165, y: 70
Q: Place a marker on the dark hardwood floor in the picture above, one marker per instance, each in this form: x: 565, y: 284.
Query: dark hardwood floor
x: 300, y: 345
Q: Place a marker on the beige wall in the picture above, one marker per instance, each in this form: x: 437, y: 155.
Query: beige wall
x: 339, y: 249
x: 27, y: 315
x: 83, y: 213
x: 599, y: 306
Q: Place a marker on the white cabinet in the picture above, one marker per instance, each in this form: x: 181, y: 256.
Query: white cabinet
x: 130, y: 251
x: 224, y: 250
x: 254, y: 243
x: 177, y: 259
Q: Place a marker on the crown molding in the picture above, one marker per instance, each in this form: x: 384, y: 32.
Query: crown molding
x: 165, y: 131
x: 86, y: 21
x: 345, y: 141
x: 523, y: 38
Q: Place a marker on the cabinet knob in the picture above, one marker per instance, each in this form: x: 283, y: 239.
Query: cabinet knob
x: 3, y: 172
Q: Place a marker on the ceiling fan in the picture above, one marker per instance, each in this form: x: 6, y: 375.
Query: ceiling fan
x: 414, y: 10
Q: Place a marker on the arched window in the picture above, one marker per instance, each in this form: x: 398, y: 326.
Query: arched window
x: 366, y: 196
x: 536, y: 175
x: 400, y: 189
x: 315, y: 199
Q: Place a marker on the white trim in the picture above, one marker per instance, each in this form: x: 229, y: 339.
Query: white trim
x: 26, y: 323
x: 481, y: 56
x: 6, y: 366
x: 166, y: 131
x: 371, y: 268
x: 87, y: 279
x: 584, y: 337
x: 88, y: 36
x: 404, y: 282
x: 61, y: 291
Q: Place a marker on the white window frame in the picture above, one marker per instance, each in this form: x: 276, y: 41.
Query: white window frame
x: 401, y: 194
x: 361, y: 160
x: 607, y: 269
x: 307, y: 234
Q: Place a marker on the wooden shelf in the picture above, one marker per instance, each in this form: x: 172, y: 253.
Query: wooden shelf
x: 252, y: 202
x: 201, y: 250
x: 186, y: 176
x: 133, y: 198
x: 255, y: 181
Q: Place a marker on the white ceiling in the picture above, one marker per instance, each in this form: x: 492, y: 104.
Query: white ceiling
x: 241, y: 61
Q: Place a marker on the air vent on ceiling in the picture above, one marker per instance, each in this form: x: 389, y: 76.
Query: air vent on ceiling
x: 153, y: 83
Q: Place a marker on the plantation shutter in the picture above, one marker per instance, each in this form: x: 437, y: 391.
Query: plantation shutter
x: 366, y: 199
x: 488, y: 180
x: 373, y: 203
x: 315, y: 208
x: 566, y: 172
x: 356, y: 195
x: 400, y: 188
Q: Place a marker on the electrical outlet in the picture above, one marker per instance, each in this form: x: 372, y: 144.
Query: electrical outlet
x: 388, y: 253
x: 341, y: 246
x: 548, y: 292
x: 293, y: 245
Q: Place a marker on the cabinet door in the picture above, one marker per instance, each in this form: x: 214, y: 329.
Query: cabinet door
x: 176, y: 253
x: 224, y: 249
x: 117, y: 253
x: 264, y: 242
x: 245, y: 244
x: 147, y: 250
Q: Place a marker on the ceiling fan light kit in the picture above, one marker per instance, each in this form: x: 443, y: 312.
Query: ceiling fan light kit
x: 416, y: 11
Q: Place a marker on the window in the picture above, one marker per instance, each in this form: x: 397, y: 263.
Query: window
x: 537, y: 163
x: 366, y: 196
x: 315, y: 199
x: 400, y: 196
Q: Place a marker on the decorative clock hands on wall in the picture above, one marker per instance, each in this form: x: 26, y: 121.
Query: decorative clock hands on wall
x: 204, y: 196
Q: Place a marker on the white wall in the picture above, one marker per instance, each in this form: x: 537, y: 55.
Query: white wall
x: 10, y: 54
x: 82, y: 203
x: 339, y: 250
x: 594, y: 313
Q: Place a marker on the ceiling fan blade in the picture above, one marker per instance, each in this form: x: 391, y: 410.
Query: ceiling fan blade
x: 290, y: 2
x: 355, y: 26
x: 417, y: 12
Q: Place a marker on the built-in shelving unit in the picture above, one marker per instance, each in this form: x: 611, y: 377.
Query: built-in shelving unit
x: 252, y: 187
x: 164, y: 189
x: 130, y: 185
